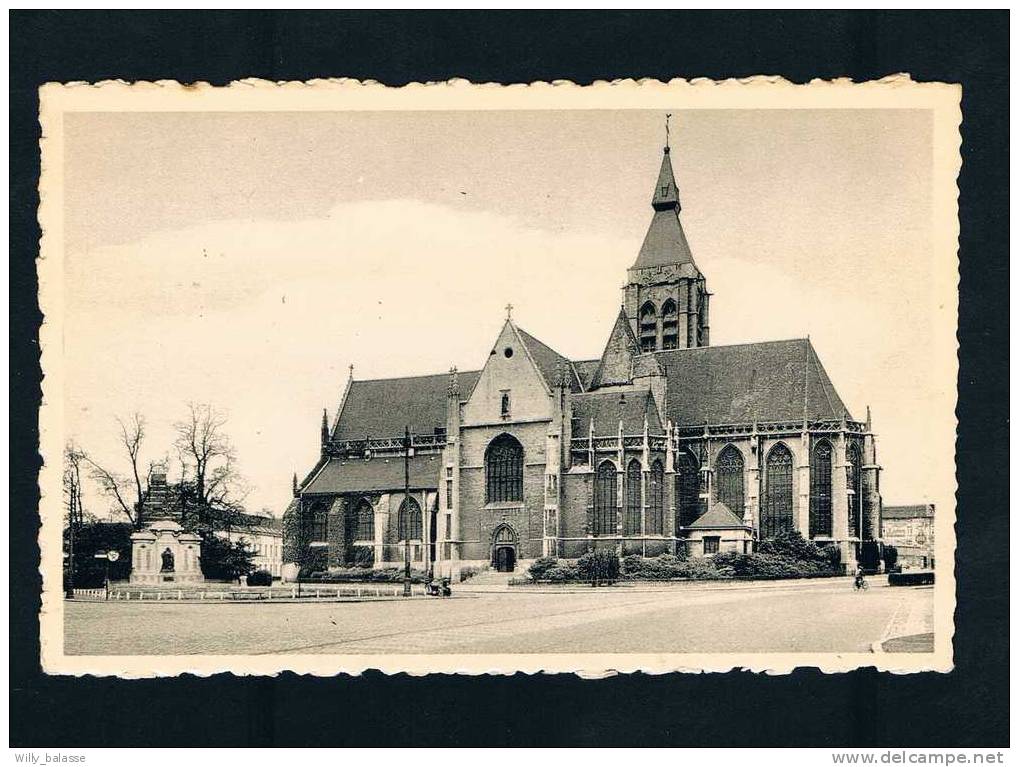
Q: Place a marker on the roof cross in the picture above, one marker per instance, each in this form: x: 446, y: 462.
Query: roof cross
x: 509, y: 311
x: 667, y: 116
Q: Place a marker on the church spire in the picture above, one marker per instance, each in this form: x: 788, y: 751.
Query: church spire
x: 666, y: 196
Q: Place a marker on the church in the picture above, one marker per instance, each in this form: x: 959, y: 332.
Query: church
x: 664, y: 444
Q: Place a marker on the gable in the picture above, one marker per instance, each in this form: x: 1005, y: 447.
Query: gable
x: 616, y: 362
x: 510, y: 369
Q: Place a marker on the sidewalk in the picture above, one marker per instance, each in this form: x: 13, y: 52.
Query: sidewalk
x: 911, y: 628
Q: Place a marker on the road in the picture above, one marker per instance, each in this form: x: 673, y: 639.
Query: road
x: 804, y: 616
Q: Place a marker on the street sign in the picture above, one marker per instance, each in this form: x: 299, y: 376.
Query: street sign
x: 99, y: 555
x: 113, y: 556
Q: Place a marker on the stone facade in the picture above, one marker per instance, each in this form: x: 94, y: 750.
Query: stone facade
x: 636, y: 451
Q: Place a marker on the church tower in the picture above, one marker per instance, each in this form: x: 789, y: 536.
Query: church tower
x: 666, y: 296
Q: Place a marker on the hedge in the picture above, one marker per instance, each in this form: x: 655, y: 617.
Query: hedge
x: 363, y: 575
x: 911, y: 578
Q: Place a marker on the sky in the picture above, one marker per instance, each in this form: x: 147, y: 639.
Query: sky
x: 245, y: 260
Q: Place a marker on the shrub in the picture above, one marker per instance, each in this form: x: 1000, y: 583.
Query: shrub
x: 562, y: 573
x: 362, y: 575
x: 792, y: 545
x: 633, y: 565
x: 599, y: 566
x: 259, y: 578
x: 468, y: 572
x: 540, y: 567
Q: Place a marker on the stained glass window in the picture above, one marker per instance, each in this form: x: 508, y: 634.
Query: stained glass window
x: 656, y: 500
x: 729, y: 479
x: 504, y: 470
x: 777, y: 509
x: 820, y: 490
x: 631, y: 525
x: 414, y: 521
x: 604, y: 522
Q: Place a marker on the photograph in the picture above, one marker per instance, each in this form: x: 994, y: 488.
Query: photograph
x: 634, y: 376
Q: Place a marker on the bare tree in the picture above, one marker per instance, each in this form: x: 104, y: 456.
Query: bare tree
x: 208, y: 464
x: 128, y: 493
x: 74, y: 458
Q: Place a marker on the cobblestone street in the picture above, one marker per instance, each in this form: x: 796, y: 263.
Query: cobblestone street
x: 765, y: 617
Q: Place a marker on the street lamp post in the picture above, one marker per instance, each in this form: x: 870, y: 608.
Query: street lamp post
x: 406, y: 506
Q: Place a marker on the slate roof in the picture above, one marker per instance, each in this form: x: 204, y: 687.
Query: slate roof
x: 586, y: 370
x: 747, y: 382
x: 606, y: 408
x: 548, y: 360
x: 913, y: 511
x: 357, y: 475
x: 718, y: 517
x: 383, y: 407
x: 257, y: 524
x: 665, y: 242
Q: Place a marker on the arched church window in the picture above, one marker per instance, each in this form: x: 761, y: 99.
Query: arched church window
x: 688, y: 503
x: 820, y: 490
x: 409, y: 520
x: 854, y: 489
x: 504, y: 470
x: 729, y: 479
x: 364, y: 521
x: 648, y: 326
x: 631, y: 523
x: 604, y: 522
x: 656, y: 500
x: 318, y: 523
x: 670, y: 325
x: 777, y: 510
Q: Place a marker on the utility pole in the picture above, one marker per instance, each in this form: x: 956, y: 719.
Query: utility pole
x: 406, y: 506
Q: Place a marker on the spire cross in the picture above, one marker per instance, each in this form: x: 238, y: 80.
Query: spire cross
x: 352, y: 370
x: 667, y: 116
x: 509, y: 311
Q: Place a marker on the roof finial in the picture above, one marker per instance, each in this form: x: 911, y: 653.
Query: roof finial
x: 667, y: 116
x: 351, y: 368
x: 509, y: 311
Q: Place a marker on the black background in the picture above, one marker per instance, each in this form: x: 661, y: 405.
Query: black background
x: 966, y: 707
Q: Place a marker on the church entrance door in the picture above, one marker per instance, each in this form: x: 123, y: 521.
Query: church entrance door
x: 504, y: 549
x: 505, y: 559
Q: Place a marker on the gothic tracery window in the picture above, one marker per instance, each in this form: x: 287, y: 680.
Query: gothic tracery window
x: 631, y: 524
x: 604, y: 522
x: 854, y: 489
x: 729, y: 479
x: 777, y: 509
x: 364, y: 521
x: 409, y: 520
x: 656, y: 500
x: 820, y: 490
x: 648, y: 326
x: 318, y: 523
x: 688, y: 503
x: 504, y: 470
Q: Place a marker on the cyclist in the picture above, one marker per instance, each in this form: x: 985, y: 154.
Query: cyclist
x: 858, y: 580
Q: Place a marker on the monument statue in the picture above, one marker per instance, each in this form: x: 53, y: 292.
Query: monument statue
x: 167, y: 562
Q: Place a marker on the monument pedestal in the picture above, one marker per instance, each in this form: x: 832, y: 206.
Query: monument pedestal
x: 165, y: 554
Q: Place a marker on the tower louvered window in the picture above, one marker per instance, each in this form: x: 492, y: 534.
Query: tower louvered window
x: 820, y: 490
x: 504, y: 470
x: 656, y: 500
x: 631, y: 524
x: 670, y: 325
x: 409, y: 520
x: 729, y: 479
x: 648, y: 326
x: 777, y: 510
x: 604, y: 522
